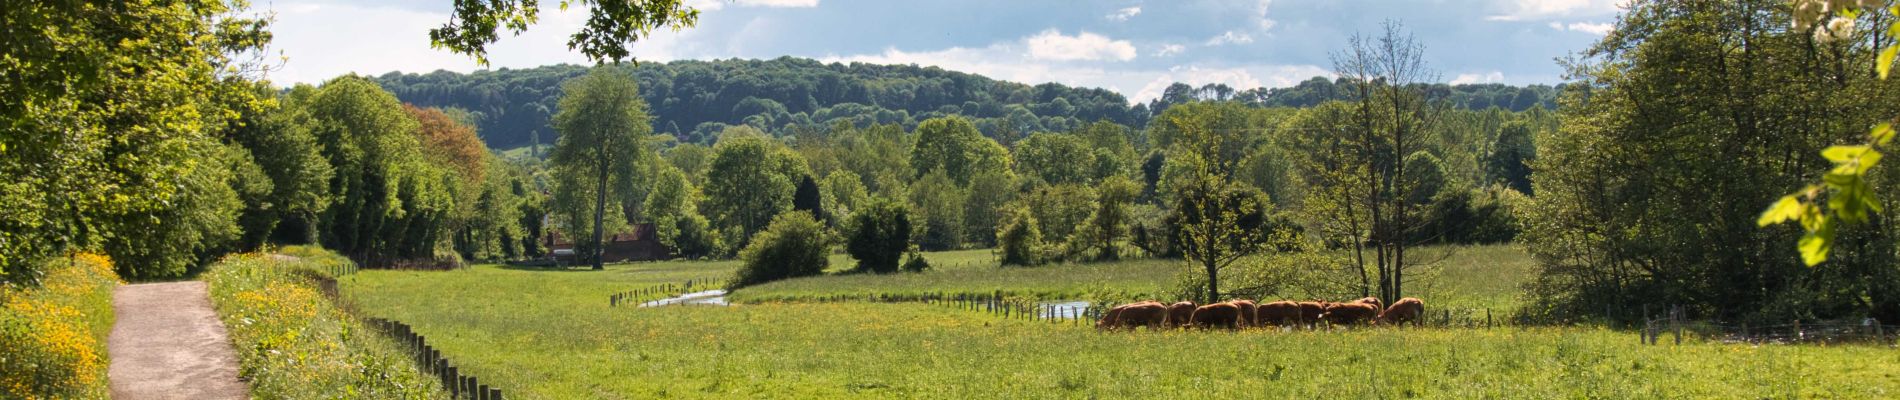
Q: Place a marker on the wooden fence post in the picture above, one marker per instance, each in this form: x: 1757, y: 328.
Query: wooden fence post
x: 494, y: 393
x: 453, y: 380
x: 1487, y: 318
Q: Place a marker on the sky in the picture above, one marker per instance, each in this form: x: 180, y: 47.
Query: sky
x: 1133, y: 47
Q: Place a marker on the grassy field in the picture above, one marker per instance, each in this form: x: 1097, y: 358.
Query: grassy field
x: 551, y: 334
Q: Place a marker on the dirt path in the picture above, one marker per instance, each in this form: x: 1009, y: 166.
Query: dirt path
x: 168, y: 344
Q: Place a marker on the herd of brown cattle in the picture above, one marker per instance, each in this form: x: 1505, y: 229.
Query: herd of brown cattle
x: 1245, y: 313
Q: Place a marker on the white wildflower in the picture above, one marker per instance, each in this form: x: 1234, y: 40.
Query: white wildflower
x: 1836, y: 29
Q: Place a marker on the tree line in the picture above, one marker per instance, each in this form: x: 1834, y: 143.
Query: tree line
x: 694, y: 100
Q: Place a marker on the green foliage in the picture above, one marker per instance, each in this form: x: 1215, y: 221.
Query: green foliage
x: 794, y: 245
x: 1510, y: 157
x: 1635, y: 197
x: 915, y: 262
x: 843, y: 194
x: 603, y: 124
x: 1056, y: 158
x: 387, y: 201
x: 1424, y: 175
x: 280, y: 142
x: 751, y: 180
x: 1109, y: 224
x: 294, y: 343
x: 983, y: 203
x: 940, y: 206
x: 880, y: 233
x: 954, y: 146
x: 53, y: 336
x: 611, y: 26
x: 673, y: 206
x: 108, y: 106
x: 199, y: 219
x: 807, y: 198
x: 1019, y: 238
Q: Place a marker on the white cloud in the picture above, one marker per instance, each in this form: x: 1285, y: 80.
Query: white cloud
x: 1265, y: 23
x: 714, y: 5
x: 1169, y: 50
x: 1052, y: 45
x: 1008, y: 61
x: 322, y: 41
x: 1230, y: 37
x: 1124, y: 14
x: 1520, y: 10
x: 1240, y: 78
x: 1492, y: 77
x: 1598, y: 28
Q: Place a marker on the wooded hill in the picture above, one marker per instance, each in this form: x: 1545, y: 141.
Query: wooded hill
x: 694, y: 100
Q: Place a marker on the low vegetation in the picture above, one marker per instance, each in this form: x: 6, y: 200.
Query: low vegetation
x: 294, y: 342
x: 53, y: 337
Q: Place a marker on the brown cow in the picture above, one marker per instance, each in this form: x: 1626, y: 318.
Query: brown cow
x: 1404, y: 310
x: 1310, y: 311
x: 1374, y: 301
x: 1247, y: 311
x: 1131, y: 315
x: 1349, y: 313
x: 1181, y: 314
x: 1280, y: 313
x: 1225, y: 315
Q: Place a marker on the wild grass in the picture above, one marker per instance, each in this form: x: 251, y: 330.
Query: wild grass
x: 53, y: 336
x: 294, y: 343
x: 552, y: 335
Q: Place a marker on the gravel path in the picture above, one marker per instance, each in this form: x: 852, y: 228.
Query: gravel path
x: 168, y: 344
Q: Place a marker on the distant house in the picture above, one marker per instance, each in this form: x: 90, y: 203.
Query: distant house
x: 643, y: 244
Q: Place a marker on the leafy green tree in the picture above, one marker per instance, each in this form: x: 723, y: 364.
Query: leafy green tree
x: 880, y: 234
x: 807, y: 198
x: 940, y: 207
x: 1056, y: 158
x: 1212, y: 205
x: 107, y: 121
x: 611, y: 25
x: 603, y: 123
x: 691, y: 159
x: 843, y: 194
x: 794, y: 245
x: 385, y: 199
x: 1510, y: 157
x: 751, y: 180
x: 1109, y: 224
x: 201, y: 218
x: 1425, y: 176
x: 953, y: 145
x: 983, y: 203
x: 1019, y: 238
x: 673, y: 206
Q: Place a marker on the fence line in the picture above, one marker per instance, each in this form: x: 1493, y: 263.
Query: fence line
x: 1673, y: 322
x: 460, y: 385
x: 661, y: 291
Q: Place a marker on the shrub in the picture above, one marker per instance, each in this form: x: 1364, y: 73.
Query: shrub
x: 52, y: 337
x: 294, y: 343
x: 1019, y: 238
x: 916, y: 262
x: 879, y: 235
x: 793, y: 245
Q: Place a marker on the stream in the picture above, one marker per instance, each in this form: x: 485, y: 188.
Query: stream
x: 715, y: 297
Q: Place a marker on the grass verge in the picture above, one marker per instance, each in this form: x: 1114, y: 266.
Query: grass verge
x: 294, y: 343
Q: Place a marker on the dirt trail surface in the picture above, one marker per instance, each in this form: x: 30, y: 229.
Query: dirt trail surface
x: 168, y: 344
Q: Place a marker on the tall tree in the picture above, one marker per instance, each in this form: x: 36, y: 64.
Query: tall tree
x: 386, y: 198
x: 1391, y: 118
x: 750, y: 181
x: 602, y: 122
x: 953, y: 145
x: 880, y: 234
x: 1213, y: 208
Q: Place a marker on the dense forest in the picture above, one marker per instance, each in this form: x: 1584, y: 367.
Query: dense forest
x: 692, y: 100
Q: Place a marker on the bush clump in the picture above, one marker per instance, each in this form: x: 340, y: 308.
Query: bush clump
x: 53, y: 336
x: 879, y: 235
x: 294, y: 343
x: 793, y: 245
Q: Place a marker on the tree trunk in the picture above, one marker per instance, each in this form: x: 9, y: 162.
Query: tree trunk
x: 600, y: 208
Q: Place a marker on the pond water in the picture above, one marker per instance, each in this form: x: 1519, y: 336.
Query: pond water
x: 714, y: 297
x: 1063, y: 309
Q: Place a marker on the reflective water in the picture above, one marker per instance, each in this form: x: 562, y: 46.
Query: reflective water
x: 716, y: 297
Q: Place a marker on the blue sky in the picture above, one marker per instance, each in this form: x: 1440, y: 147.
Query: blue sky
x: 1131, y: 46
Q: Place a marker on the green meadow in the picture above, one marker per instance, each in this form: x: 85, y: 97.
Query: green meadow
x: 550, y: 334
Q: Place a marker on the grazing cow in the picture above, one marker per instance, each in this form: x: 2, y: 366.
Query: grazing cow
x: 1278, y: 313
x: 1181, y: 314
x: 1225, y: 315
x: 1402, y: 311
x: 1143, y: 313
x: 1374, y: 301
x: 1349, y: 313
x: 1247, y: 311
x: 1310, y: 311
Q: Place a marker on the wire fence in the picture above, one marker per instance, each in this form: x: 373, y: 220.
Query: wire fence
x: 1673, y: 322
